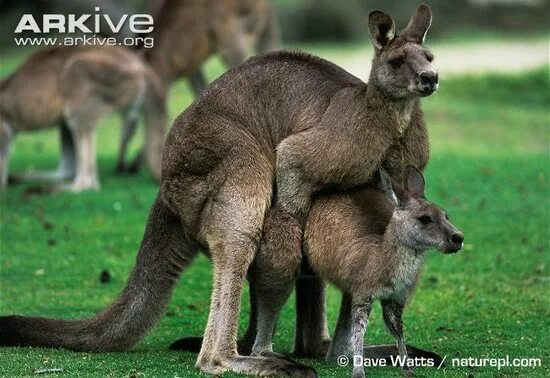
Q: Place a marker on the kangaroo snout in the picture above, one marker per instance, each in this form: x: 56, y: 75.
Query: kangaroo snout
x: 456, y: 242
x: 429, y: 81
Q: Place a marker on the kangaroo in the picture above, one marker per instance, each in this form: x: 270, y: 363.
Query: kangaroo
x: 73, y: 87
x: 370, y: 243
x: 188, y: 32
x: 283, y: 117
x: 387, y: 114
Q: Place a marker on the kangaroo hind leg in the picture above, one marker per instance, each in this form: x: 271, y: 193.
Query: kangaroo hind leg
x: 82, y: 120
x: 271, y: 280
x: 66, y: 169
x: 231, y: 227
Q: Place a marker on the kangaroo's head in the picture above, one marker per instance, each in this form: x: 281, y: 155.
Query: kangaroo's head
x: 402, y: 67
x: 419, y: 224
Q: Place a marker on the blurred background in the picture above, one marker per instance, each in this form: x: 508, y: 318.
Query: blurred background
x: 489, y: 132
x: 502, y: 35
x: 337, y: 21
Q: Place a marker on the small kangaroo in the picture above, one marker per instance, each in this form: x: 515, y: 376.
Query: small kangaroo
x: 284, y: 117
x: 367, y: 264
x: 73, y: 87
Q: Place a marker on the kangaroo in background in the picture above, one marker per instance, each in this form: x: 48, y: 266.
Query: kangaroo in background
x: 370, y: 243
x: 188, y: 32
x: 284, y: 117
x: 73, y: 87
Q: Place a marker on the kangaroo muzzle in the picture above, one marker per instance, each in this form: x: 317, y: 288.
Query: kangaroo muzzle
x: 455, y: 242
x: 429, y: 82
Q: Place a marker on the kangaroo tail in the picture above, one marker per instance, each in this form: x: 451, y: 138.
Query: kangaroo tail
x: 154, y: 109
x: 164, y: 252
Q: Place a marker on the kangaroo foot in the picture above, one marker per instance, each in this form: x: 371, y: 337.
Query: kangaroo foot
x: 271, y: 354
x: 387, y: 351
x: 317, y: 350
x: 74, y: 187
x: 260, y: 366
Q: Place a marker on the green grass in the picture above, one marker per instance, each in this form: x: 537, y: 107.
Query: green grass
x: 489, y: 168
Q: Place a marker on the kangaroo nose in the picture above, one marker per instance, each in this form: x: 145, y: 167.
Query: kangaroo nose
x: 429, y: 80
x: 457, y: 238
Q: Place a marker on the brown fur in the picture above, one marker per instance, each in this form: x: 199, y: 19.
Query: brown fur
x: 188, y: 32
x: 286, y: 117
x: 73, y: 87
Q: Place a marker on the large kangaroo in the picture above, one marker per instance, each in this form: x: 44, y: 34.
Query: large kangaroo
x: 73, y: 87
x: 289, y: 117
x: 401, y: 73
x: 370, y: 243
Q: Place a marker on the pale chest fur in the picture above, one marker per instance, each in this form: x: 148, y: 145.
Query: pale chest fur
x: 404, y: 116
x: 404, y: 275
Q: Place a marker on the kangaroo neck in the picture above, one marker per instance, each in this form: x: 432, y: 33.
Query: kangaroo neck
x: 392, y: 245
x: 406, y: 263
x: 396, y: 112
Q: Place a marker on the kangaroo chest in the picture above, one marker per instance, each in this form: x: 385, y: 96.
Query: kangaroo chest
x: 403, y: 277
x: 412, y: 147
x: 404, y: 119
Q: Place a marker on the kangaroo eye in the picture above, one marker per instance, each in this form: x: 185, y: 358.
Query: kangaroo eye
x: 430, y: 57
x: 425, y: 219
x: 397, y: 62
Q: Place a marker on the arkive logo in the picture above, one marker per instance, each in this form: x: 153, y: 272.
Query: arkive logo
x: 138, y: 23
x: 87, y: 35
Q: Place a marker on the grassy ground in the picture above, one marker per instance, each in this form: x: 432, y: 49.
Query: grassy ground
x: 489, y: 168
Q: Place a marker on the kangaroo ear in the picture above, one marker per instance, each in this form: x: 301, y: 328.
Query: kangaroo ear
x: 395, y: 192
x: 414, y: 182
x: 381, y: 29
x: 419, y: 24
